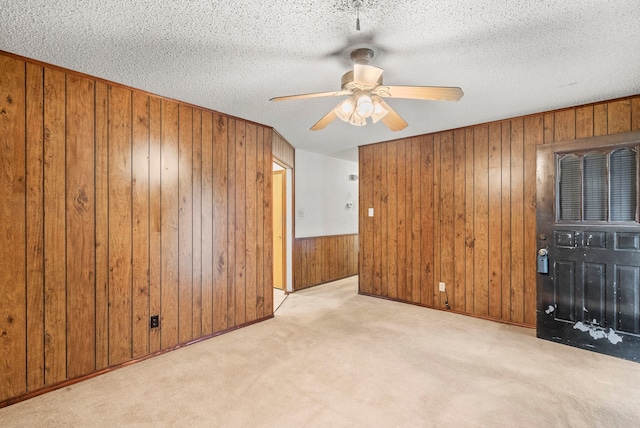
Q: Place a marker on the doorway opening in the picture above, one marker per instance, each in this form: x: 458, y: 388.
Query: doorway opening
x: 282, y: 203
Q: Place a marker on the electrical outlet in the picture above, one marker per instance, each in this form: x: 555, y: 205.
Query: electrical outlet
x: 155, y: 321
x: 441, y: 285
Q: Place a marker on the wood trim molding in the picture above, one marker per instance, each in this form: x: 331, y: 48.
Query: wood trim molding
x: 73, y: 381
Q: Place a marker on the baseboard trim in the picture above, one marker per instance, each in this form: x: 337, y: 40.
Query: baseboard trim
x: 324, y: 282
x: 79, y: 379
x: 517, y: 324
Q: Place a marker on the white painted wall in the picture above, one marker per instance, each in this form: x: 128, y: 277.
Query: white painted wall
x: 323, y: 190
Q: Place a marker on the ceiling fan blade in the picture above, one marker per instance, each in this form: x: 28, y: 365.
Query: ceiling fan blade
x: 327, y: 119
x: 364, y: 74
x: 314, y: 95
x: 392, y: 119
x: 444, y: 93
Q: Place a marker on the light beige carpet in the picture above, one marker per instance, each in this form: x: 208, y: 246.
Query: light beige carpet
x: 333, y: 358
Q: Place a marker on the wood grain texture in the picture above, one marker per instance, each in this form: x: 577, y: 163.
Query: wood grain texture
x: 240, y: 243
x: 334, y: 250
x: 495, y: 221
x: 120, y: 226
x: 251, y: 199
x: 140, y: 233
x: 477, y: 209
x: 185, y: 224
x: 13, y: 322
x: 433, y: 180
x: 220, y: 223
x: 206, y: 240
x: 197, y: 192
x: 80, y: 226
x: 155, y: 214
x: 102, y: 225
x: 35, y: 222
x: 169, y: 217
x: 267, y: 224
x: 262, y: 168
x: 231, y: 223
x: 118, y: 202
x: 55, y: 317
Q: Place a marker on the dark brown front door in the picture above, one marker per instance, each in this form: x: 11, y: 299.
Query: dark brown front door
x: 587, y: 219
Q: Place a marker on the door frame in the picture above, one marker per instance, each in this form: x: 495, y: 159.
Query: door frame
x: 288, y: 213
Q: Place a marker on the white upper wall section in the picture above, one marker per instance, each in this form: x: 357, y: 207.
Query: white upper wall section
x: 323, y: 192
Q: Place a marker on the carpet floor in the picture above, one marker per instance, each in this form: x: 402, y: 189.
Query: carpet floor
x: 331, y: 357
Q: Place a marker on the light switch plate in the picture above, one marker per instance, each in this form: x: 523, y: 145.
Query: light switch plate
x: 370, y: 212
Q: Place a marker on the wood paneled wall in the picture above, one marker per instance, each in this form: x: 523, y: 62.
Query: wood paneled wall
x: 321, y: 259
x: 283, y: 151
x: 459, y: 207
x: 117, y: 205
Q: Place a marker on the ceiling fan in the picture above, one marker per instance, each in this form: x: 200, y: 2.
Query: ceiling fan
x: 363, y: 85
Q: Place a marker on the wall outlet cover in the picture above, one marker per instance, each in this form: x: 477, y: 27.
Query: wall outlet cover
x: 442, y: 287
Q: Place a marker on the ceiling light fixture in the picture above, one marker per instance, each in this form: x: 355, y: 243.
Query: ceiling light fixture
x: 359, y: 107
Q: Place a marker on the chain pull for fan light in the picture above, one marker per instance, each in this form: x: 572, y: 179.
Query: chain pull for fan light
x: 357, y: 4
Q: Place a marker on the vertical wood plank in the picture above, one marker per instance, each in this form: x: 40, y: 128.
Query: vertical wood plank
x: 481, y: 220
x: 120, y: 226
x: 34, y: 226
x: 469, y: 221
x: 635, y: 113
x: 446, y: 216
x: 415, y: 219
x: 408, y: 224
x: 533, y: 130
x: 383, y: 217
x: 619, y: 116
x: 495, y: 220
x: 155, y: 222
x: 402, y: 219
x: 392, y: 215
x: 268, y: 226
x: 220, y: 235
x: 506, y: 220
x: 584, y: 122
x: 207, y: 223
x: 102, y: 225
x: 169, y: 224
x: 517, y: 221
x: 251, y: 199
x: 427, y: 234
x: 185, y: 225
x: 459, y: 283
x: 13, y: 304
x: 565, y: 125
x: 241, y: 224
x: 365, y: 192
x: 54, y: 227
x: 231, y: 223
x: 261, y: 269
x: 378, y: 154
x: 141, y: 205
x: 197, y: 224
x: 80, y: 226
x: 438, y: 298
x: 549, y: 128
x: 600, y: 118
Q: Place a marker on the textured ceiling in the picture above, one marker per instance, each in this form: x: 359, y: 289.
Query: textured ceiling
x: 510, y: 57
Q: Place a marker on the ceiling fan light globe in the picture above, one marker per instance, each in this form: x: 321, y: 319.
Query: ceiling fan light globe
x: 345, y: 110
x: 378, y: 111
x: 364, y: 106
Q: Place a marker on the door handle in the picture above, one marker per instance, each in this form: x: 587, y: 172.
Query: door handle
x: 543, y: 260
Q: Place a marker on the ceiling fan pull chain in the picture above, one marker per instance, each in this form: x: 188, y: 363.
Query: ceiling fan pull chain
x: 357, y: 4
